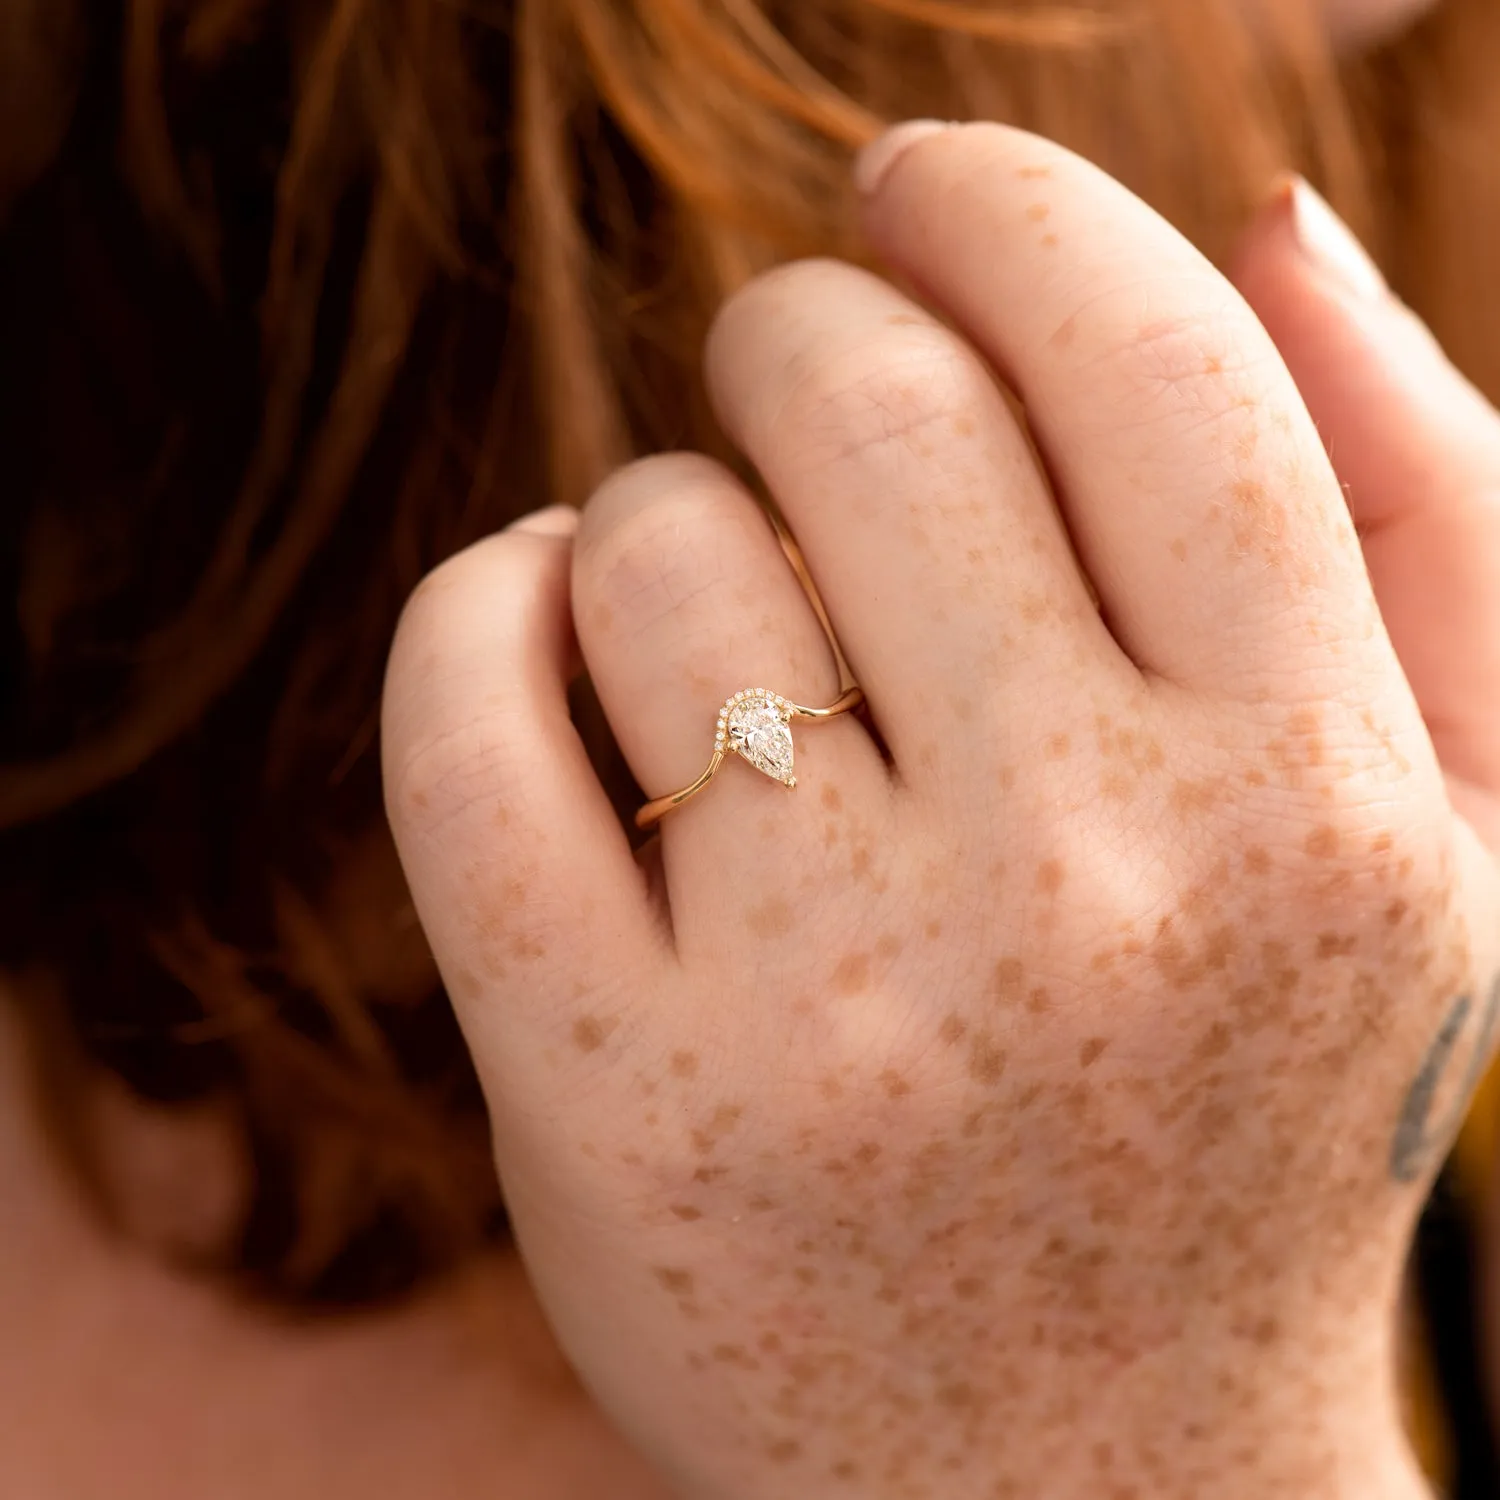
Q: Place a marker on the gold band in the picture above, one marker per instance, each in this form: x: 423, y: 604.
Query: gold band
x: 756, y: 724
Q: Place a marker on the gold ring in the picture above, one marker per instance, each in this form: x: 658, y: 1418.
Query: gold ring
x: 756, y: 724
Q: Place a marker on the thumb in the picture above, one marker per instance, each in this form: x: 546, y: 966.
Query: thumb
x: 1418, y: 451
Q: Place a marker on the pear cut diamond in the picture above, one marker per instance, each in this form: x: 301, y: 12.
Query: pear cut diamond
x: 756, y: 729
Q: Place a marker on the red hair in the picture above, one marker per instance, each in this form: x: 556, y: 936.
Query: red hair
x: 302, y: 295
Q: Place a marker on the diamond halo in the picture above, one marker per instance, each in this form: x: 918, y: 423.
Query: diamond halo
x: 754, y: 725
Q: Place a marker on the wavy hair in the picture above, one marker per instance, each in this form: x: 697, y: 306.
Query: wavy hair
x: 297, y: 297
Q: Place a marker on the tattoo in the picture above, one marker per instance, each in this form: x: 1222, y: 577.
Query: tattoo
x: 1419, y: 1139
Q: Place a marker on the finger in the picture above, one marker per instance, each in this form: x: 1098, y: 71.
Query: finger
x: 917, y: 498
x: 1192, y: 478
x: 521, y: 874
x: 683, y: 598
x: 1418, y: 450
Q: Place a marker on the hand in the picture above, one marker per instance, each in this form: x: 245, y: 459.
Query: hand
x: 1045, y: 1111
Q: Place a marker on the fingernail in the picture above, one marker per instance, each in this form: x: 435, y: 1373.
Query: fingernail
x: 554, y: 520
x: 1330, y: 244
x: 873, y: 165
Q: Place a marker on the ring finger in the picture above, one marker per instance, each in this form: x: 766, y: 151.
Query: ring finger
x: 683, y: 597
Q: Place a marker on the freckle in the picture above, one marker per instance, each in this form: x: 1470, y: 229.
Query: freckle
x: 1091, y: 1051
x: 1255, y: 778
x: 933, y: 931
x: 960, y: 1393
x: 710, y: 1174
x: 590, y: 1150
x: 1058, y: 746
x: 852, y: 973
x: 831, y: 1088
x: 867, y: 1153
x: 468, y: 985
x: 769, y: 1343
x: 1007, y: 777
x: 1406, y: 866
x: 420, y: 799
x: 1257, y: 861
x: 772, y: 918
x: 953, y: 1030
x: 652, y: 1118
x: 895, y: 1086
x: 1050, y: 241
x: 1336, y: 945
x: 986, y: 1060
x: 843, y: 1469
x: 1038, y: 1001
x: 1323, y: 842
x: 888, y: 947
x: 1033, y: 608
x: 685, y: 1064
x: 1394, y: 913
x: 1049, y: 876
x: 963, y: 709
x: 1033, y: 173
x: 963, y: 426
x: 686, y: 1212
x: 590, y: 1034
x: 1213, y: 365
x: 1382, y: 844
x: 1216, y: 1042
x: 967, y: 1288
x: 1116, y: 786
x: 784, y: 1451
x: 807, y: 1275
x: 674, y: 1280
x: 1266, y: 1331
x: 1194, y: 796
x: 760, y: 1204
x: 1008, y: 973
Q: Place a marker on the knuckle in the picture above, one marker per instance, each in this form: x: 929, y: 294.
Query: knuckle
x: 485, y: 565
x: 441, y: 774
x: 889, y: 401
x: 661, y: 558
x: 1167, y: 366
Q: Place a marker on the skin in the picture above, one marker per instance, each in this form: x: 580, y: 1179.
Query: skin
x: 1283, y: 1167
x: 1046, y: 1107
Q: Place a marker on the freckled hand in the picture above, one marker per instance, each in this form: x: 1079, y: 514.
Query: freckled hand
x: 1011, y: 1108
